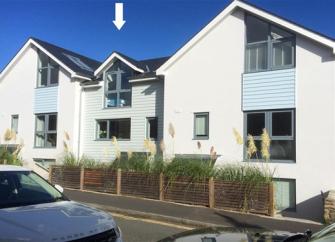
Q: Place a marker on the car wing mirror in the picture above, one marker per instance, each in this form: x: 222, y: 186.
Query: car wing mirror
x: 59, y: 188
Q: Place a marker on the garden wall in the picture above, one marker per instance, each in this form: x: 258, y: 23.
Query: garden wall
x: 209, y: 192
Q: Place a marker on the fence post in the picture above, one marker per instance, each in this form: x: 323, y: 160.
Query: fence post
x: 161, y: 186
x: 50, y: 173
x: 118, y: 182
x: 82, y: 171
x: 271, y: 200
x: 211, y: 191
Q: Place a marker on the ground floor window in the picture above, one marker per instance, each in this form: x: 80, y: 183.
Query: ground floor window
x: 15, y: 123
x: 44, y: 163
x: 280, y: 125
x: 285, y: 194
x: 119, y: 128
x: 201, y: 125
x: 46, y: 130
x: 152, y: 128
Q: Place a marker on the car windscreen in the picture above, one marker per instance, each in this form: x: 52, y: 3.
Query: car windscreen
x: 21, y: 188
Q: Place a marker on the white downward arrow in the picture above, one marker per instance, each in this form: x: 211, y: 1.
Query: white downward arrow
x: 119, y: 22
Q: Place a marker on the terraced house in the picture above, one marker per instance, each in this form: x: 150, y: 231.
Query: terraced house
x: 247, y: 69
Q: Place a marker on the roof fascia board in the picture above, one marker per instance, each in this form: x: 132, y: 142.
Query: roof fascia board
x: 291, y: 26
x: 143, y: 79
x: 54, y: 58
x: 183, y: 50
x: 15, y: 58
x: 26, y: 46
x: 256, y: 11
x: 109, y: 59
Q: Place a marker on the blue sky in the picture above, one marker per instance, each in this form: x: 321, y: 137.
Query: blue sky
x: 154, y: 28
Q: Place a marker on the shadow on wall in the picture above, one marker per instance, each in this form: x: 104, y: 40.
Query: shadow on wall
x: 311, y: 209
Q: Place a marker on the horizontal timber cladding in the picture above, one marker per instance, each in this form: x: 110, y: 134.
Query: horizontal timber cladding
x: 242, y: 197
x: 46, y: 99
x: 100, y: 180
x: 68, y: 177
x: 268, y: 90
x: 147, y: 101
x: 140, y: 184
x: 184, y: 190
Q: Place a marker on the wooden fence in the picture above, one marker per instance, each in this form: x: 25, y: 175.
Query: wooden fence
x: 212, y: 193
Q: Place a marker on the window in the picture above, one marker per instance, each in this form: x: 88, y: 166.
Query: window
x: 152, y: 128
x: 117, y: 86
x: 268, y: 47
x: 201, y: 126
x: 45, y: 163
x: 15, y: 123
x: 120, y: 128
x: 48, y: 71
x: 285, y: 194
x: 280, y: 125
x: 46, y: 130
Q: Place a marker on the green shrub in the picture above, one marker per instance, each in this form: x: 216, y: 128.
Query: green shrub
x: 245, y: 173
x: 193, y: 168
x: 10, y: 157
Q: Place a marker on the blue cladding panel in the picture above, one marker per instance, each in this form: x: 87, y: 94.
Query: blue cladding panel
x: 46, y: 100
x: 269, y: 90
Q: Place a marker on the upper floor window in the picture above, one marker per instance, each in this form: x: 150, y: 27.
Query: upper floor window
x: 117, y: 86
x: 48, y: 71
x: 268, y: 47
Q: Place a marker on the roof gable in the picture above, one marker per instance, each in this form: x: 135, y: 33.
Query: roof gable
x: 142, y: 66
x: 77, y: 65
x: 240, y: 4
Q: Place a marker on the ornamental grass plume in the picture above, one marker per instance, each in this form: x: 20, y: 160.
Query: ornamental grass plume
x: 9, y: 135
x: 172, y: 131
x: 199, y: 145
x: 129, y: 154
x: 150, y: 148
x: 251, y: 149
x: 213, y: 154
x: 238, y: 137
x: 67, y: 136
x: 265, y: 145
x: 117, y: 148
x: 162, y: 146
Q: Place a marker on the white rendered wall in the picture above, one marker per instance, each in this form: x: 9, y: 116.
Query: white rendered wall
x: 17, y: 97
x: 208, y: 79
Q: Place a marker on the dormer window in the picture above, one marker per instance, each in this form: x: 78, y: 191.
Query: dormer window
x: 268, y: 46
x: 117, y: 86
x: 48, y: 71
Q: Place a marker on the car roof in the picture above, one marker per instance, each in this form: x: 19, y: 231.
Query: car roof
x: 12, y: 168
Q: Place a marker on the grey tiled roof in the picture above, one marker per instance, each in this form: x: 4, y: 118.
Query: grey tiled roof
x: 87, y: 67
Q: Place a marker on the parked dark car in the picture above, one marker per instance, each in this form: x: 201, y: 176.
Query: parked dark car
x: 225, y: 234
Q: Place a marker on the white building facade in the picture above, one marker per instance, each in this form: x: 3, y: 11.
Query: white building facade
x: 246, y: 70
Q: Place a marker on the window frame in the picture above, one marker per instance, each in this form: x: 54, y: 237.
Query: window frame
x: 97, y: 138
x: 269, y: 42
x: 268, y: 127
x: 148, y: 126
x: 49, y: 67
x: 118, y: 86
x: 45, y: 131
x: 201, y: 137
x: 13, y: 116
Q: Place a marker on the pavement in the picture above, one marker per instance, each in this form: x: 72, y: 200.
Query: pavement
x: 195, y: 216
